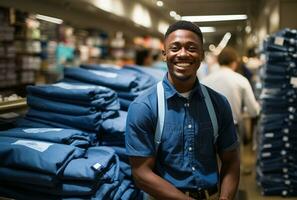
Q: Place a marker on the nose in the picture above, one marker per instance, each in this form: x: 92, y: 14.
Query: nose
x: 183, y: 52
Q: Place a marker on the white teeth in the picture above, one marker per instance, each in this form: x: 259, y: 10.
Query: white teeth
x: 183, y: 64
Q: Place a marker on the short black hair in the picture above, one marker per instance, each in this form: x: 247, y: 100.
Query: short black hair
x: 184, y: 25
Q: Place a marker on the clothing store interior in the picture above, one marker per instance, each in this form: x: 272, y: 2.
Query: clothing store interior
x: 69, y: 70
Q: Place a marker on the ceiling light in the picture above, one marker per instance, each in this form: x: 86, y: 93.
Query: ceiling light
x: 49, y: 19
x: 172, y: 13
x: 160, y: 3
x: 207, y: 29
x: 211, y: 18
x: 177, y: 17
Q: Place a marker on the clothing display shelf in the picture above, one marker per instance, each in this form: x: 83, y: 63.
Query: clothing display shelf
x: 276, y: 156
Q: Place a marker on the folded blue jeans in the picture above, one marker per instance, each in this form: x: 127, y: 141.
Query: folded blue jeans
x: 56, y: 135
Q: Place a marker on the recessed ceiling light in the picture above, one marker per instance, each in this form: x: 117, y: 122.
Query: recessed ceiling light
x: 49, y: 19
x: 160, y: 3
x: 172, y: 13
x: 211, y: 18
x: 207, y: 29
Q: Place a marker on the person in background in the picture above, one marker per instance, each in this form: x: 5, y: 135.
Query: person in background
x: 185, y: 164
x: 235, y: 87
x: 143, y: 57
x: 208, y: 66
x: 158, y: 62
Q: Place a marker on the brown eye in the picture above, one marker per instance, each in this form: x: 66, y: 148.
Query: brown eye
x: 192, y: 48
x: 174, y: 48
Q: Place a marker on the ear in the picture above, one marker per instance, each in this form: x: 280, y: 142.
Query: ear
x: 202, y: 55
x: 164, y: 55
x: 234, y: 65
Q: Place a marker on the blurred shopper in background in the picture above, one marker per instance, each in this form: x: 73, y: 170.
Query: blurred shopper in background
x: 233, y: 85
x: 208, y: 66
x: 239, y: 93
x: 183, y: 164
x: 143, y: 57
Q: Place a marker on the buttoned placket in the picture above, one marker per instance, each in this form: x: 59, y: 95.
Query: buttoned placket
x: 189, y: 128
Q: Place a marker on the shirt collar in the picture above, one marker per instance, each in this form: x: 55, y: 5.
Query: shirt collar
x: 170, y: 91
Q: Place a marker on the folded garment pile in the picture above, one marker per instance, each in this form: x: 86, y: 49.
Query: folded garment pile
x: 36, y: 169
x: 276, y: 171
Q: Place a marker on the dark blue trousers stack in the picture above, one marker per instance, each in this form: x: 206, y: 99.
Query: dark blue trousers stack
x: 128, y: 82
x: 72, y: 105
x: 277, y: 142
x: 59, y: 150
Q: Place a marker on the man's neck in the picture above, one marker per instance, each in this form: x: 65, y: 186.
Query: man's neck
x: 183, y: 86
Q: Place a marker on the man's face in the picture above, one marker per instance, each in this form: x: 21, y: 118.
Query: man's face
x: 184, y: 53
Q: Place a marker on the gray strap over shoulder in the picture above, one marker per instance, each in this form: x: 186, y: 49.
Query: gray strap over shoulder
x: 161, y: 114
x: 211, y: 112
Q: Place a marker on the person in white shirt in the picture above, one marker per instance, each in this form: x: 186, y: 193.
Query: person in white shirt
x: 235, y: 87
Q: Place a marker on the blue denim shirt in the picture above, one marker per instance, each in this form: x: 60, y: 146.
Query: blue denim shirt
x: 186, y: 156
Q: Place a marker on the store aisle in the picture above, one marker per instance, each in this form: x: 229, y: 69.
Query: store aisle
x: 248, y: 188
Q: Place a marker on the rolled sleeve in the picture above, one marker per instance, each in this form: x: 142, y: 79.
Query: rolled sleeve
x: 139, y: 131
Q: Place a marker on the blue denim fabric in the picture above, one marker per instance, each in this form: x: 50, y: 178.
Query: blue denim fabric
x: 143, y: 79
x: 56, y: 135
x: 288, y: 45
x: 63, y: 108
x: 28, y: 122
x: 105, y: 191
x: 123, y: 188
x: 85, y: 122
x: 175, y: 163
x: 113, y: 130
x: 33, y: 122
x: 27, y: 154
x: 276, y: 158
x: 111, y: 80
x: 20, y: 193
x: 125, y: 104
x: 279, y: 57
x: 27, y: 177
x: 74, y: 187
x: 98, y: 169
x: 115, y: 125
x: 73, y: 92
x: 156, y: 73
x: 75, y: 191
x: 287, y: 32
x: 93, y: 165
x: 275, y: 70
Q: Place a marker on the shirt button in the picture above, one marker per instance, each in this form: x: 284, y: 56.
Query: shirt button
x: 189, y: 126
x: 190, y: 148
x: 193, y: 168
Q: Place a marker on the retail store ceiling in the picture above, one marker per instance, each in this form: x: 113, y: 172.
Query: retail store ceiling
x: 83, y: 13
x: 213, y: 7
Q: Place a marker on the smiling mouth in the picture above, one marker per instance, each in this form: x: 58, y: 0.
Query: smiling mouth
x: 182, y: 66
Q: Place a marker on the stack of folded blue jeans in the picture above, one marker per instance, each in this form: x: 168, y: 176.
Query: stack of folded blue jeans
x: 56, y: 135
x: 72, y: 105
x: 32, y: 169
x: 277, y: 158
x: 129, y: 81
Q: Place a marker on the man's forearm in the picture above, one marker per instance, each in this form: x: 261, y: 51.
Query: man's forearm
x: 229, y: 181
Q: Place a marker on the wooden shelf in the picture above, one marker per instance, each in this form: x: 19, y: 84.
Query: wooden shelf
x: 13, y: 105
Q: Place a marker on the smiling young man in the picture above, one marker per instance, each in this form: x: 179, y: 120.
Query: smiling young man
x: 184, y: 166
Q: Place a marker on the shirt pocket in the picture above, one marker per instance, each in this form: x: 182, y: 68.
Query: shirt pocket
x: 172, y: 139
